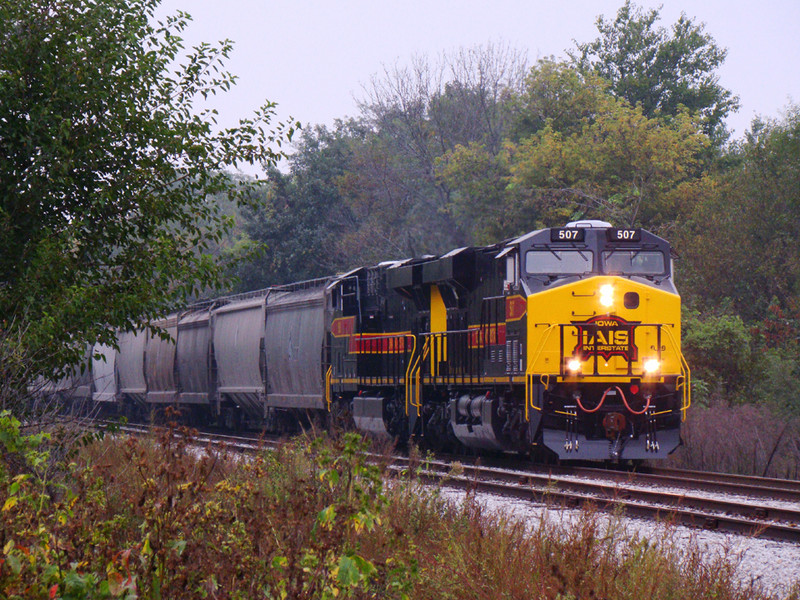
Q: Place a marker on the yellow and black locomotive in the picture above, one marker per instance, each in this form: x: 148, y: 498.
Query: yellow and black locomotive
x: 564, y: 340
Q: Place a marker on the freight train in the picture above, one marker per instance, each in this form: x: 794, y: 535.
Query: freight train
x: 562, y: 343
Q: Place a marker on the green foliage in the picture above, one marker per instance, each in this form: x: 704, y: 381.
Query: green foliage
x: 108, y: 152
x: 19, y: 452
x: 558, y: 95
x: 303, y: 218
x: 480, y: 192
x: 587, y: 154
x: 621, y: 166
x: 735, y: 363
x: 719, y: 350
x: 165, y: 523
x: 779, y: 380
x: 368, y: 189
x: 156, y: 518
x: 33, y: 503
x: 659, y: 70
x: 740, y: 241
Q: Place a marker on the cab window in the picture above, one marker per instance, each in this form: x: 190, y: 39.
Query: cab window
x: 634, y: 262
x: 558, y: 262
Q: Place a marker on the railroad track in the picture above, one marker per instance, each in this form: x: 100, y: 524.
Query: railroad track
x: 719, y: 513
x: 739, y: 504
x: 742, y: 485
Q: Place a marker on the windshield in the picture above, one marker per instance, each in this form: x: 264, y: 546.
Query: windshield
x: 558, y: 262
x: 634, y: 262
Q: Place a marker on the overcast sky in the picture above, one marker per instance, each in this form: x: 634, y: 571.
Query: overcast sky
x: 313, y: 57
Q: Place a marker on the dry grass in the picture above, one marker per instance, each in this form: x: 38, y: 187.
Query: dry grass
x: 157, y: 518
x: 745, y: 439
x: 466, y: 551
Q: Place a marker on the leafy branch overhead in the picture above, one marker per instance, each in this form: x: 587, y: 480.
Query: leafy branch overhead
x: 109, y: 148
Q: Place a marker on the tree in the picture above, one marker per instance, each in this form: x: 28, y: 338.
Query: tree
x: 108, y: 153
x: 620, y: 166
x: 482, y: 201
x: 706, y: 338
x: 583, y: 153
x: 557, y: 94
x: 658, y: 69
x: 417, y: 115
x: 484, y: 198
x: 741, y: 241
x: 302, y: 227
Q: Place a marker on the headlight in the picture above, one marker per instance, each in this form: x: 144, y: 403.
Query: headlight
x: 651, y: 366
x: 574, y: 365
x: 607, y: 295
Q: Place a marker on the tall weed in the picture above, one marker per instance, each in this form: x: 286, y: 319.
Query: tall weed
x: 162, y: 517
x: 746, y: 439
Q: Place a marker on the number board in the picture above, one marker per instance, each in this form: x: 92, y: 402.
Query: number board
x: 624, y: 235
x: 567, y: 234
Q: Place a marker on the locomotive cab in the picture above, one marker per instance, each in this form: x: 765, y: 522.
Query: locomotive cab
x: 605, y: 377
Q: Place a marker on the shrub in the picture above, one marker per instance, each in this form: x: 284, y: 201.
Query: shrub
x: 161, y: 517
x: 747, y: 439
x: 719, y: 351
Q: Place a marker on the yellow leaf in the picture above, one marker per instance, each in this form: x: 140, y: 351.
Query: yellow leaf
x: 10, y: 503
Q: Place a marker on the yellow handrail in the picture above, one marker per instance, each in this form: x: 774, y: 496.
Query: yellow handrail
x: 686, y: 374
x: 328, y: 374
x: 529, y: 374
x: 529, y: 371
x: 418, y: 374
x: 412, y: 363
